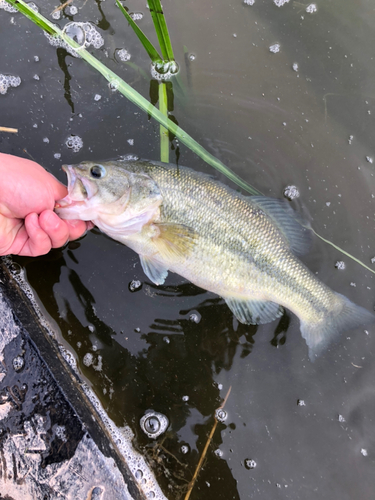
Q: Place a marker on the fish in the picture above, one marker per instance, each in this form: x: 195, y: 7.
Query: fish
x: 245, y: 249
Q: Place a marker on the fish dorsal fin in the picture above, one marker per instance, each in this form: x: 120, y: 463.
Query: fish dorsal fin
x: 254, y: 312
x: 155, y: 271
x: 289, y: 222
x: 173, y: 240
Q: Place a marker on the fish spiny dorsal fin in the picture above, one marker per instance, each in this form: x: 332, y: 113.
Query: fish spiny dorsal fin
x: 173, y: 240
x: 289, y: 222
x: 254, y: 312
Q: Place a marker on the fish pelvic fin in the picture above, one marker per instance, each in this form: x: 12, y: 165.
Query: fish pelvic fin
x: 154, y: 270
x: 291, y: 224
x: 319, y: 335
x: 254, y: 312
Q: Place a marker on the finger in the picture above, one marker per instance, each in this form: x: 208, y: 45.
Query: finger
x: 38, y: 242
x: 59, y: 191
x: 77, y: 228
x: 56, y: 229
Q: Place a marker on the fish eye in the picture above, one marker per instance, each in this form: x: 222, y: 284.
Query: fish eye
x: 97, y: 171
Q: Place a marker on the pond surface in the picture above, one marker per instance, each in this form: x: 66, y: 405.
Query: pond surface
x: 284, y: 96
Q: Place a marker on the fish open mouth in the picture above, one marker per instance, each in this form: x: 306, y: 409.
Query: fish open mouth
x: 79, y: 191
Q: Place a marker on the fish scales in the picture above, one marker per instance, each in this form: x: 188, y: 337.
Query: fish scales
x: 235, y: 231
x: 244, y: 248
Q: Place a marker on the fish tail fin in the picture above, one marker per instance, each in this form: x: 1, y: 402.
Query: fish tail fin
x: 319, y: 335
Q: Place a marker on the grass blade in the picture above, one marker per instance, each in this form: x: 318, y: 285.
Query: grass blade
x: 164, y: 134
x: 150, y: 49
x: 161, y: 29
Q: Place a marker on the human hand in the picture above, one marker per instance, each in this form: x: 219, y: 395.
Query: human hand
x: 28, y: 224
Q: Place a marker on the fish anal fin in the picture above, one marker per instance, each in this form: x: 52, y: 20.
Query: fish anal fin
x: 155, y: 271
x: 172, y: 240
x: 254, y: 312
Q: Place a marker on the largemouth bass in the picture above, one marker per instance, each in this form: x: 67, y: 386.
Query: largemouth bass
x: 243, y: 248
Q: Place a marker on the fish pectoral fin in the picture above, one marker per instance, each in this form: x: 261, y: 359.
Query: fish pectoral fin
x: 173, y: 240
x: 155, y: 271
x: 254, y: 312
x: 294, y: 228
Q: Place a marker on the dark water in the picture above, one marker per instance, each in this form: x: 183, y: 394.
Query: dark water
x: 308, y: 427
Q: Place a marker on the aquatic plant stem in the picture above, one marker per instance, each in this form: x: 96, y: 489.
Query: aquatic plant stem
x: 164, y: 134
x: 161, y: 29
x: 204, y: 452
x: 342, y: 251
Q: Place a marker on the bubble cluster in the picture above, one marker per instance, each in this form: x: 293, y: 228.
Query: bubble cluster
x: 249, y: 2
x: 18, y: 363
x: 280, y: 3
x: 221, y: 415
x: 340, y: 264
x: 164, y: 70
x: 56, y: 14
x: 250, y: 463
x: 194, y: 318
x: 88, y: 359
x: 301, y: 402
x: 311, y: 8
x: 275, y: 48
x: 291, y: 192
x: 295, y: 66
x: 7, y: 81
x: 123, y: 55
x: 85, y: 34
x: 7, y: 7
x: 136, y: 16
x: 74, y: 142
x: 153, y: 424
x: 60, y: 432
x: 135, y: 285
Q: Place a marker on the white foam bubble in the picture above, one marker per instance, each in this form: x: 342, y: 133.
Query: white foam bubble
x: 123, y: 55
x: 291, y: 192
x: 280, y: 3
x: 249, y: 2
x: 85, y: 34
x: 275, y: 48
x: 73, y: 10
x: 7, y: 7
x: 136, y: 16
x: 123, y: 437
x: 7, y: 81
x: 88, y: 359
x: 74, y: 142
x: 312, y: 8
x: 164, y: 71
